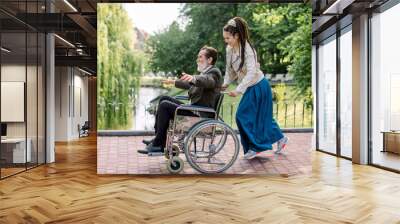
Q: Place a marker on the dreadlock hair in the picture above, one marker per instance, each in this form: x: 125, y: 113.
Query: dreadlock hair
x: 240, y: 27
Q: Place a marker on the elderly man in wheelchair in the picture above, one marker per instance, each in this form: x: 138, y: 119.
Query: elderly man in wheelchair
x: 194, y: 128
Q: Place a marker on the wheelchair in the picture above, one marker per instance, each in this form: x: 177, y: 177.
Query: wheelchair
x: 84, y: 129
x: 210, y: 145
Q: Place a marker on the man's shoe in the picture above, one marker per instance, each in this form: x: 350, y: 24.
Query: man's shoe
x: 142, y: 151
x: 154, y: 150
x: 147, y: 142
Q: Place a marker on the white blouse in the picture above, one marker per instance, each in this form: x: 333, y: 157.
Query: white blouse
x: 250, y: 73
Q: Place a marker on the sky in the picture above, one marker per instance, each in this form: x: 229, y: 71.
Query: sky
x: 152, y: 17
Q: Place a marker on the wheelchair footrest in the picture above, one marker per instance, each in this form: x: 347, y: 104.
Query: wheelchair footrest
x: 155, y: 154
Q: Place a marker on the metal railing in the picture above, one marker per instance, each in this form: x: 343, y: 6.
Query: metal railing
x: 287, y: 115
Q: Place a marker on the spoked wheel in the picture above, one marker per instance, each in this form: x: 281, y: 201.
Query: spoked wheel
x: 175, y: 165
x: 211, y: 147
x: 219, y: 143
x: 175, y: 151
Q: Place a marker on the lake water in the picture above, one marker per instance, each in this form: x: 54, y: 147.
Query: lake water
x: 143, y: 120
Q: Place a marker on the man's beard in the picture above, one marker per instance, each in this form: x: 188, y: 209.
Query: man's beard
x: 201, y: 67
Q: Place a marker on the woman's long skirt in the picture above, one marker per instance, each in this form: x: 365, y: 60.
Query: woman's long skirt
x: 258, y: 129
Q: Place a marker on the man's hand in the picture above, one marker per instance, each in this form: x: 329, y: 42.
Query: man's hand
x: 168, y: 81
x: 233, y: 93
x: 186, y: 77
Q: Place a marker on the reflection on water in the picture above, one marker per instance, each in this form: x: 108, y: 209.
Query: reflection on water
x: 142, y: 119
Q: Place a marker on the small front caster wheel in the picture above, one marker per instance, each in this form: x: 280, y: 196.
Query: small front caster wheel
x: 175, y: 165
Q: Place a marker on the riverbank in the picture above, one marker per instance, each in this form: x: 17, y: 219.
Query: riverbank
x: 288, y: 111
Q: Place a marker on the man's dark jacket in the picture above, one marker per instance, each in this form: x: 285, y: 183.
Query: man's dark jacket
x: 204, y: 88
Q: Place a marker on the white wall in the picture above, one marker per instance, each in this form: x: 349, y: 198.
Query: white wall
x: 33, y: 126
x: 12, y: 73
x: 71, y: 94
x: 80, y: 110
x: 62, y: 81
x: 13, y: 101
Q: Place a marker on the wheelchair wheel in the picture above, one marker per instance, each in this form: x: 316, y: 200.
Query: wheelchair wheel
x: 175, y: 165
x: 220, y: 142
x: 211, y: 147
x: 175, y: 151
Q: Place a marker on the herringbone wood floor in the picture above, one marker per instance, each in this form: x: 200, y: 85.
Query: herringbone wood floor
x: 70, y: 191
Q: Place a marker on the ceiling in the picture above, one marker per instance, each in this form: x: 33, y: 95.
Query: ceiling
x: 74, y: 22
x: 327, y: 13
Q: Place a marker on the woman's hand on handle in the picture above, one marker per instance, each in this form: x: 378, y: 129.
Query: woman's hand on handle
x: 233, y: 93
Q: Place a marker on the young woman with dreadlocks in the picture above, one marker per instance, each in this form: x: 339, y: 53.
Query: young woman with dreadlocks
x: 258, y: 129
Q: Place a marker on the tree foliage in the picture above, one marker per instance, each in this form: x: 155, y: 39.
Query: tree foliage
x: 281, y: 34
x: 297, y: 47
x: 118, y: 67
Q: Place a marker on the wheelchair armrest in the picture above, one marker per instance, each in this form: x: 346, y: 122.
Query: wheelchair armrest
x: 195, y: 109
x: 181, y: 97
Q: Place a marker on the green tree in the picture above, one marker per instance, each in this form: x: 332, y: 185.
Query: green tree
x: 168, y: 50
x: 175, y: 49
x: 205, y: 23
x: 297, y: 48
x: 269, y: 25
x: 118, y: 67
x: 281, y: 34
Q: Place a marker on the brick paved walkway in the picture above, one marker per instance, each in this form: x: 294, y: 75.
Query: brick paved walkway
x: 118, y: 155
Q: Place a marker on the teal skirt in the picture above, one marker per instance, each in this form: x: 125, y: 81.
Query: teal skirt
x: 258, y: 129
